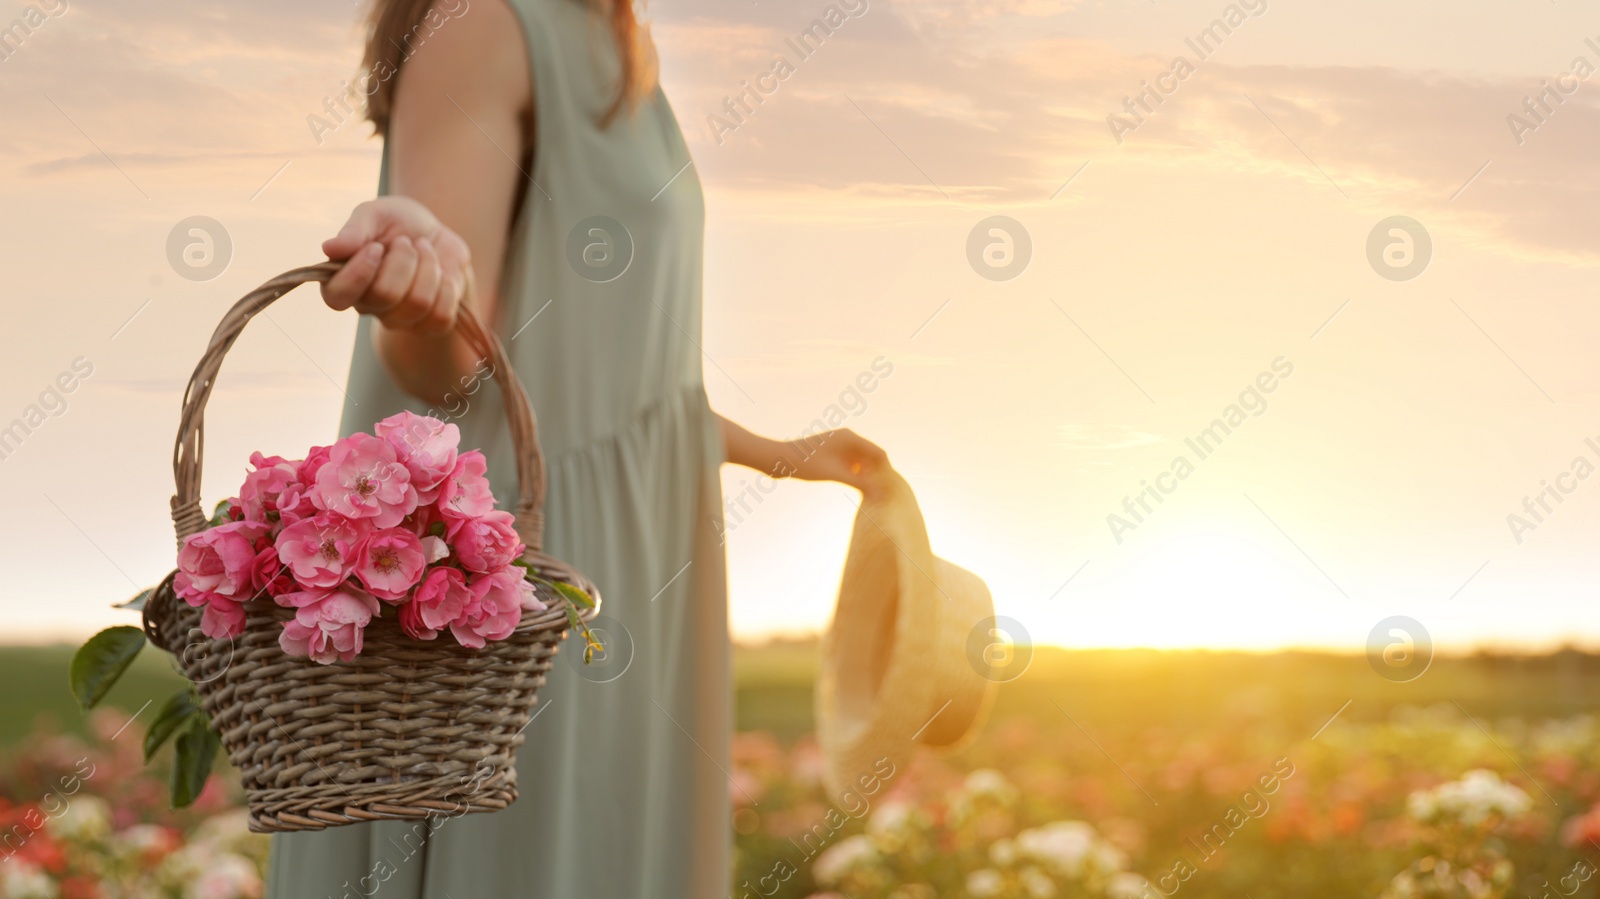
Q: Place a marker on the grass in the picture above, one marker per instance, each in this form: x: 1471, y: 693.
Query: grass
x: 1119, y: 691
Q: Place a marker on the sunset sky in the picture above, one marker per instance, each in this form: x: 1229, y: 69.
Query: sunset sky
x: 1228, y: 231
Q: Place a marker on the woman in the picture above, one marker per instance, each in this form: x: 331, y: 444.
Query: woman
x: 533, y: 171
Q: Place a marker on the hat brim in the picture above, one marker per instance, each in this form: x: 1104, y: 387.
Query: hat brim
x: 895, y: 667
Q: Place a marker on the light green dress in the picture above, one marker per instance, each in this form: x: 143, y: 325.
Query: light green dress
x: 624, y: 790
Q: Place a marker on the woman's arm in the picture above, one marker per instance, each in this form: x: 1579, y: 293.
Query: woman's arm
x: 462, y: 112
x: 841, y: 455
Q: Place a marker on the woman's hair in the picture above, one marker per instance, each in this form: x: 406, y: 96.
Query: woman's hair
x: 394, y: 26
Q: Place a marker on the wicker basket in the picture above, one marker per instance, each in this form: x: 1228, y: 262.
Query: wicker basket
x: 408, y: 729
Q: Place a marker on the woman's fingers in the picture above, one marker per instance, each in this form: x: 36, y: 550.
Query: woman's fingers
x: 421, y: 295
x: 381, y: 219
x: 389, y: 289
x: 348, y: 285
x: 401, y: 265
x: 360, y: 229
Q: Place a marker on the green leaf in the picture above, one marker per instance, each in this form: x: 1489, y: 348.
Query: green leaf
x: 436, y: 529
x: 197, y: 749
x: 99, y: 662
x: 573, y: 594
x: 219, y: 515
x: 138, y: 601
x: 177, y: 711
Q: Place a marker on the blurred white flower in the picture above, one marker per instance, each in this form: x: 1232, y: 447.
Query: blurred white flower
x: 840, y: 858
x: 1064, y: 845
x: 984, y: 882
x: 889, y: 817
x: 1470, y: 800
x: 1107, y: 857
x: 1038, y: 885
x: 22, y: 879
x: 144, y: 840
x: 85, y: 818
x: 229, y: 876
x: 1422, y: 805
x: 988, y: 782
x: 1126, y: 886
x: 226, y: 829
x: 1003, y: 852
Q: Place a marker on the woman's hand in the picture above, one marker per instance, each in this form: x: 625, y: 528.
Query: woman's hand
x: 401, y: 265
x: 841, y: 455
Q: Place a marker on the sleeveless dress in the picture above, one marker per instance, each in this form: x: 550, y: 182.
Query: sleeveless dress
x: 623, y: 777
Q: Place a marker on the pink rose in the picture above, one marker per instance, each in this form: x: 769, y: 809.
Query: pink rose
x: 294, y: 503
x: 422, y: 521
x: 320, y: 551
x: 494, y: 611
x: 435, y: 549
x: 439, y: 600
x: 411, y: 622
x: 184, y: 587
x: 223, y: 619
x: 363, y: 479
x: 425, y: 446
x: 329, y: 628
x: 270, y: 576
x: 486, y: 544
x: 305, y: 471
x: 258, y: 498
x: 218, y: 561
x: 390, y: 562
x: 466, y: 493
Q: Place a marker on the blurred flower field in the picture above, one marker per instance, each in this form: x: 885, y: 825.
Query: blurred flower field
x: 1425, y: 804
x: 1099, y: 775
x: 83, y: 817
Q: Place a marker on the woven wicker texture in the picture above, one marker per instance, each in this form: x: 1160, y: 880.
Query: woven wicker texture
x: 408, y: 729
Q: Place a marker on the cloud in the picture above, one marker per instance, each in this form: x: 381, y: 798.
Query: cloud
x: 1091, y: 436
x: 910, y: 103
x: 908, y: 120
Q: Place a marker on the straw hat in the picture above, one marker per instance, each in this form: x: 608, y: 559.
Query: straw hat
x: 898, y: 660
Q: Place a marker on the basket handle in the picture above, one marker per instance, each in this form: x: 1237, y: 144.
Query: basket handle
x: 187, y: 516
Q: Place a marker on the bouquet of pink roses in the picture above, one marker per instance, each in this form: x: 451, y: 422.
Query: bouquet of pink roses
x: 399, y: 518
